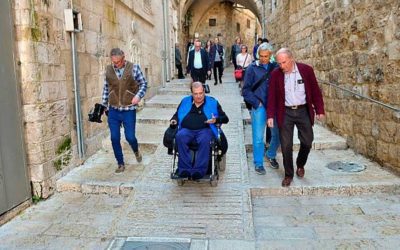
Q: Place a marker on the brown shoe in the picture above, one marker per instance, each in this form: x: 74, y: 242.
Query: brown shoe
x: 138, y: 156
x: 286, y: 181
x: 300, y: 172
x: 120, y: 169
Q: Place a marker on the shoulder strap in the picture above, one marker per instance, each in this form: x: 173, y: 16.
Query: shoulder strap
x: 245, y: 60
x: 265, y: 77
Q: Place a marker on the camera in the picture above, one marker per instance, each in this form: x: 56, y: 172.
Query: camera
x: 96, y: 113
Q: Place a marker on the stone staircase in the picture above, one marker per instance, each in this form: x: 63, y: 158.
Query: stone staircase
x: 97, y: 174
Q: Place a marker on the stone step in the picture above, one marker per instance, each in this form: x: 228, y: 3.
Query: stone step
x: 179, y: 83
x: 321, y: 180
x: 164, y: 101
x: 323, y: 139
x: 154, y: 115
x: 178, y: 90
x: 149, y: 136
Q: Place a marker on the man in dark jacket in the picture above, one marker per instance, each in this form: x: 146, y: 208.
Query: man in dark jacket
x: 255, y: 92
x: 216, y: 60
x: 196, y: 117
x: 198, y: 63
x: 293, y: 97
x: 178, y: 61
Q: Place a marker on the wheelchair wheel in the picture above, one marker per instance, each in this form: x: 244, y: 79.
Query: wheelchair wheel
x: 180, y: 182
x: 214, y: 180
x: 222, y: 163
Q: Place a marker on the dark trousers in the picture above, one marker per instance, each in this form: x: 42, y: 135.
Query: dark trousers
x: 203, y: 138
x: 180, y: 71
x: 198, y: 75
x: 300, y: 119
x: 220, y: 67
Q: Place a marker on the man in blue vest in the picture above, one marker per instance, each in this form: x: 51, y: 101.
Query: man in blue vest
x: 196, y: 117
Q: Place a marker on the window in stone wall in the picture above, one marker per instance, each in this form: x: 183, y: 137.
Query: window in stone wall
x: 147, y: 6
x: 237, y: 27
x: 274, y: 4
x: 248, y: 23
x: 212, y: 22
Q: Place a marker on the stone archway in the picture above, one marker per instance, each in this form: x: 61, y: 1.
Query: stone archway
x: 196, y: 15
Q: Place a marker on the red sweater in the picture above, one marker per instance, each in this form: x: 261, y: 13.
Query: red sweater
x: 276, y: 94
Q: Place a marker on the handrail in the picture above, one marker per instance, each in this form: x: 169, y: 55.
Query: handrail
x: 359, y: 95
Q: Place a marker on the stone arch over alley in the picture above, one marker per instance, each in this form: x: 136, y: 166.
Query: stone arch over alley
x: 225, y: 19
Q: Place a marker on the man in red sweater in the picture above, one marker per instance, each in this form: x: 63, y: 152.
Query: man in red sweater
x: 294, y: 98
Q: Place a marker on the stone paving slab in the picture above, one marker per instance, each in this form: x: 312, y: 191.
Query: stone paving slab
x: 362, y: 222
x: 320, y: 180
x: 323, y: 139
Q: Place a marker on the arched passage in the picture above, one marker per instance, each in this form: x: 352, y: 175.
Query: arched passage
x: 207, y: 19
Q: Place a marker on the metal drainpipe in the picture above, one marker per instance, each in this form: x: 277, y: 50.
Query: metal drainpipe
x: 263, y: 19
x: 165, y: 45
x: 78, y: 113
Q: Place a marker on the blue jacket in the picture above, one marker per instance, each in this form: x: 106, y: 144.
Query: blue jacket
x: 254, y: 73
x: 210, y: 107
x: 212, y: 53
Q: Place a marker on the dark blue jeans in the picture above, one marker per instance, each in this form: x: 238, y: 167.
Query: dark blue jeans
x: 128, y: 120
x: 203, y: 138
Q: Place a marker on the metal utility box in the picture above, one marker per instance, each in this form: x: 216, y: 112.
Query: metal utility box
x: 73, y: 20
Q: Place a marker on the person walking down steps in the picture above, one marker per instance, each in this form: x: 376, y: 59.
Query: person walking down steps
x: 124, y: 87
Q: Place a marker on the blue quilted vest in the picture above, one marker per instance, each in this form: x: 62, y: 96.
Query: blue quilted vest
x: 210, y: 107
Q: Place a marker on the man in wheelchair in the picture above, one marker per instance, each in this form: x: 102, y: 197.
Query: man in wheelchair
x: 197, y: 118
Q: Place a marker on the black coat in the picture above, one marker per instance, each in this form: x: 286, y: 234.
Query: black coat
x: 204, y: 60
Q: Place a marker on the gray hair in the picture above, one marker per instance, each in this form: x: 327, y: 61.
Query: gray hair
x: 264, y: 47
x: 116, y: 52
x: 196, y: 85
x: 285, y: 51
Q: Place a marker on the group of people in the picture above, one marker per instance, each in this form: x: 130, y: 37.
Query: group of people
x: 281, y: 95
x: 202, y: 61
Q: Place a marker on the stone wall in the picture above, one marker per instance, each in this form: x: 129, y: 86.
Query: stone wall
x: 45, y: 73
x: 356, y: 45
x: 227, y: 19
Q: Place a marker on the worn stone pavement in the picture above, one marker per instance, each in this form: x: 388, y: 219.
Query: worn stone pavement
x: 95, y: 208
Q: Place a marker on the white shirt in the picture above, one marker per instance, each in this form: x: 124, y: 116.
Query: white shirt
x: 295, y: 93
x: 197, y: 60
x: 240, y: 60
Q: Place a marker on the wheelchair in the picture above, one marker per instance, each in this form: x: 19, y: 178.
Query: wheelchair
x: 216, y: 163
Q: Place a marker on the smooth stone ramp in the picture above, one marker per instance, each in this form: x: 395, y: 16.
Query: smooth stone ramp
x: 320, y: 180
x: 323, y: 139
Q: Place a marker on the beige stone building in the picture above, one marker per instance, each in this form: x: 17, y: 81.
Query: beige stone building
x: 355, y: 45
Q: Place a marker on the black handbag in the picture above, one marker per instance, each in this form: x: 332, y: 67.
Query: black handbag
x: 169, y: 136
x: 206, y: 88
x: 96, y: 113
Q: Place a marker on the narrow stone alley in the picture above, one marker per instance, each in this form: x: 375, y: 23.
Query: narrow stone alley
x: 94, y: 208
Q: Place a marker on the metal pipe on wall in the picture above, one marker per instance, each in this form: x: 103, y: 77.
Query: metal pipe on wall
x: 263, y: 19
x: 78, y: 112
x: 166, y: 51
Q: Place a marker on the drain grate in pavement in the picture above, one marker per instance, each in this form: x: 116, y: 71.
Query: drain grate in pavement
x: 345, y: 166
x: 148, y: 245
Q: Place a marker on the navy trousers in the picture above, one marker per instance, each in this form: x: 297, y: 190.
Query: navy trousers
x: 203, y: 138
